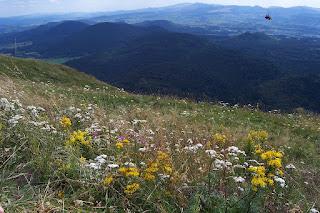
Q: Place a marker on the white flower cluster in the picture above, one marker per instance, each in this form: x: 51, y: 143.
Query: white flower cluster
x: 44, y: 125
x: 79, y: 114
x: 35, y: 111
x: 193, y: 148
x: 235, y: 151
x: 313, y: 210
x: 14, y: 120
x: 98, y: 162
x: 6, y: 105
x: 280, y: 181
x: 221, y: 164
x: 212, y: 153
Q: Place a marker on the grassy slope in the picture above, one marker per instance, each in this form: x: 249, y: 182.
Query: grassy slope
x: 55, y: 87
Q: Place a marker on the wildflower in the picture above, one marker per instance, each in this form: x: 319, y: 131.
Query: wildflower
x: 119, y: 145
x: 220, y: 164
x: 94, y: 166
x: 144, y: 149
x: 162, y: 156
x: 133, y: 172
x: 152, y: 168
x: 258, y: 136
x: 60, y: 194
x: 258, y: 181
x: 220, y: 138
x: 82, y: 160
x: 212, y: 153
x: 132, y: 188
x: 149, y: 177
x: 259, y: 170
x: 279, y: 180
x: 313, y: 210
x: 258, y: 150
x: 7, y: 105
x: 79, y: 137
x: 122, y: 170
x: 193, y: 148
x: 15, y: 120
x: 65, y: 122
x: 129, y: 172
x: 167, y: 169
x: 113, y: 166
x: 239, y: 179
x: 271, y: 155
x: 260, y: 178
x: 276, y: 163
x: 126, y: 141
x: 108, y: 180
x: 290, y: 166
x: 233, y: 150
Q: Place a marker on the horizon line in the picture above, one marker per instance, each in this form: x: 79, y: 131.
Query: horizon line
x: 146, y: 8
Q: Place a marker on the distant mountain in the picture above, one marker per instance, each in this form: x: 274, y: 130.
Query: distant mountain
x: 228, y: 19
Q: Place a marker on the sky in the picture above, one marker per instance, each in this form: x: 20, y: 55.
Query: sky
x: 22, y: 7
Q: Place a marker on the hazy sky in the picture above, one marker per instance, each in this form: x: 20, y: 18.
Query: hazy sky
x: 19, y: 7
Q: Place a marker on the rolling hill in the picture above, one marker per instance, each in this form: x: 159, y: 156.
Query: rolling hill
x: 45, y: 34
x: 292, y: 55
x: 180, y: 64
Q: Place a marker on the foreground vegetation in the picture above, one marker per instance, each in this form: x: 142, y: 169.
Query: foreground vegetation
x: 70, y: 143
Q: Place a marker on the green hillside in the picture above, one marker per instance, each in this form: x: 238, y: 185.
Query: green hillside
x: 70, y: 143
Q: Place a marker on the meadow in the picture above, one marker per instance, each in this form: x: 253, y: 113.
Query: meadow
x: 70, y: 143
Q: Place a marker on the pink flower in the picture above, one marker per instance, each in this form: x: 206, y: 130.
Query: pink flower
x: 1, y: 210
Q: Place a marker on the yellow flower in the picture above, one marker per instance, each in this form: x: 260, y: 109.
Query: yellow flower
x: 61, y: 194
x: 259, y: 170
x: 132, y: 172
x: 258, y: 181
x: 152, y: 168
x: 220, y: 138
x: 258, y: 136
x: 119, y: 145
x: 162, y: 156
x: 129, y: 172
x: 82, y: 160
x: 260, y: 178
x: 126, y: 141
x: 108, y: 180
x: 149, y: 177
x: 280, y: 172
x: 65, y: 122
x: 258, y: 150
x: 167, y: 169
x: 132, y: 188
x: 79, y: 137
x: 276, y: 163
x: 122, y: 170
x: 271, y: 155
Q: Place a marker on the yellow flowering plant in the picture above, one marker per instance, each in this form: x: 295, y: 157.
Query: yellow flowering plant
x: 65, y: 122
